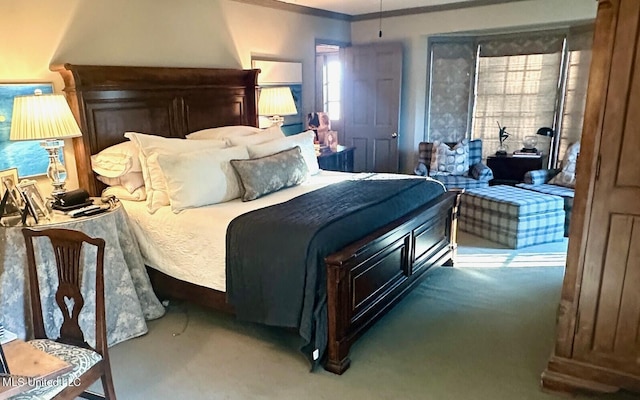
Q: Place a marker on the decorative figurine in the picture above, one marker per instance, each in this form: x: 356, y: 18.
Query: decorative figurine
x: 503, y: 134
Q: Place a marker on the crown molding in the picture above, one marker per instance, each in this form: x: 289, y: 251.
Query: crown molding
x: 430, y: 9
x: 316, y: 12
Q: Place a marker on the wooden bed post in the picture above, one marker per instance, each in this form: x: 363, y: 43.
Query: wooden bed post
x: 453, y: 228
x: 338, y: 317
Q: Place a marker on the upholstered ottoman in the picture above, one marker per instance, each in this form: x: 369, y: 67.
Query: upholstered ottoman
x: 511, y: 216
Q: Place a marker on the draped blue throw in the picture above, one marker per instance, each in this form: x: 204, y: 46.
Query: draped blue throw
x: 275, y: 255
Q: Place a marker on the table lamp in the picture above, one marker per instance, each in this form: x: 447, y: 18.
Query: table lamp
x: 545, y: 131
x: 549, y: 132
x: 275, y: 102
x: 45, y: 117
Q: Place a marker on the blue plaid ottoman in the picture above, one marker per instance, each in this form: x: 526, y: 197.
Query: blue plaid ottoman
x: 511, y: 216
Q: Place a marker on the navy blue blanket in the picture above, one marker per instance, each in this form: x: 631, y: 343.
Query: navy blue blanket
x: 275, y: 255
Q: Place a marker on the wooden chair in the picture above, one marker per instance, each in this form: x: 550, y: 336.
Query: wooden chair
x: 90, y: 364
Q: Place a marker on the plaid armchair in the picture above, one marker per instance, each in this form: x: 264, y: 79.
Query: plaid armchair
x: 478, y: 175
x: 538, y: 181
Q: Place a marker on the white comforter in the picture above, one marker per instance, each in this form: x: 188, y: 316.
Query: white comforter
x: 190, y: 246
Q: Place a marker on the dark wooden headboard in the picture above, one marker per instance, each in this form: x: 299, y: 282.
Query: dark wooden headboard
x: 108, y: 101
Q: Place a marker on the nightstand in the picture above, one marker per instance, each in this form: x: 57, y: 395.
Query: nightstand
x: 339, y: 160
x: 509, y: 170
x: 130, y: 297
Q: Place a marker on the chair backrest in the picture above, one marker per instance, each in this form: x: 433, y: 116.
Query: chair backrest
x: 475, y: 152
x: 67, y: 248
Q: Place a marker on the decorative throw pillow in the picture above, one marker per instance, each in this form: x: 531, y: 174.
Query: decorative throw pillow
x: 265, y: 135
x: 223, y: 132
x: 261, y: 176
x: 303, y: 140
x: 201, y: 178
x: 567, y: 177
x: 450, y: 161
x: 150, y: 145
x: 116, y: 160
x: 130, y: 181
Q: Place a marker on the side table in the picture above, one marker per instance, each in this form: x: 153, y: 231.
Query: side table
x: 130, y: 300
x: 340, y: 160
x: 509, y: 170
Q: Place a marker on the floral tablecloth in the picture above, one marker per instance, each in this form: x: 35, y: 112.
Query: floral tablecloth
x: 129, y: 298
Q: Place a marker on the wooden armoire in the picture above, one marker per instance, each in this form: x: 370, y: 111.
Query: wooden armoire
x: 598, y: 335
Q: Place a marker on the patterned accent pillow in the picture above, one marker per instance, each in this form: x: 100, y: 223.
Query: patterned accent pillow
x: 567, y: 177
x: 450, y: 161
x: 481, y: 172
x: 261, y: 176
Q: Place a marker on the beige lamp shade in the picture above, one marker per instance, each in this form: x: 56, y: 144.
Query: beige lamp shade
x: 42, y: 117
x: 276, y: 101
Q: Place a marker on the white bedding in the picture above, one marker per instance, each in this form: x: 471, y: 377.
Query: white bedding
x: 190, y: 246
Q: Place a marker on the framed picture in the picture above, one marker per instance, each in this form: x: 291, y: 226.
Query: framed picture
x: 28, y: 157
x: 4, y: 367
x: 331, y: 140
x: 32, y: 196
x: 9, y: 184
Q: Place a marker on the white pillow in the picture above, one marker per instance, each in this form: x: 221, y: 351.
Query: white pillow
x: 304, y: 140
x: 116, y: 160
x: 201, y: 178
x: 130, y: 181
x: 266, y: 135
x: 450, y: 161
x: 567, y: 177
x: 148, y: 145
x: 140, y: 194
x: 223, y: 132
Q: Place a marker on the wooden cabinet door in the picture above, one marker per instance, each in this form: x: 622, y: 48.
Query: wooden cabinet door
x: 607, y: 325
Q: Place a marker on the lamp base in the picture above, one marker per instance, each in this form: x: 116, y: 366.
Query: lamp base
x: 276, y: 120
x: 56, y: 171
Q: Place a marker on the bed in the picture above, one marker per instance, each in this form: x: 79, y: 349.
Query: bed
x: 364, y: 278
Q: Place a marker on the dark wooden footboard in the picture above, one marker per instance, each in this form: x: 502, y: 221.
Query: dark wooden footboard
x: 365, y: 279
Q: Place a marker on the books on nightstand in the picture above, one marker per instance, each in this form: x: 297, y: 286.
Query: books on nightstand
x: 526, y: 154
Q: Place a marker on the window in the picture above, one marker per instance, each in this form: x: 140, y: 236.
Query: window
x: 575, y: 97
x: 329, y: 69
x: 516, y: 92
x: 331, y: 81
x: 517, y: 81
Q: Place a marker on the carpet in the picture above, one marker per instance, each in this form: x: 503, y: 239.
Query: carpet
x: 479, y: 332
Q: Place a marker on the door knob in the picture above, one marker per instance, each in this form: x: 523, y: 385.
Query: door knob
x: 394, y: 135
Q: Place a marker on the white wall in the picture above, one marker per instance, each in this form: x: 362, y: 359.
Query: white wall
x: 414, y: 30
x: 184, y: 33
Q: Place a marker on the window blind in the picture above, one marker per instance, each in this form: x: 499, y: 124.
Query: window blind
x: 519, y: 93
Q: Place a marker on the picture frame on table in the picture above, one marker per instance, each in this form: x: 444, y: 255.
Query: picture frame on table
x: 31, y: 195
x: 320, y: 123
x: 9, y: 187
x: 331, y: 140
x: 4, y: 366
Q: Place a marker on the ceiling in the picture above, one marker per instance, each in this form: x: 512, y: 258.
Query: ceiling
x: 359, y: 7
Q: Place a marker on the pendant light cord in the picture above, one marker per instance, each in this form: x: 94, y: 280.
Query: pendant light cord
x: 380, y: 21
